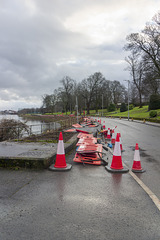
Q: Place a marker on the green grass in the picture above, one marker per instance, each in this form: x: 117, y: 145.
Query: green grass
x: 135, y: 113
x: 57, y: 113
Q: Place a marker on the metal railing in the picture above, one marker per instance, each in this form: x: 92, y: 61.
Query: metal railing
x: 16, y: 132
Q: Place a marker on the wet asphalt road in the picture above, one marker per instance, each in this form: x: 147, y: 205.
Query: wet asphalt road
x: 85, y: 203
x: 148, y: 139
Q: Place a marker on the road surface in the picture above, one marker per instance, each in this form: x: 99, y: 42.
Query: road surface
x: 87, y: 202
x: 148, y: 138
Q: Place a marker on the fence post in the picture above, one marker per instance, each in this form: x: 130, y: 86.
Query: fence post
x: 30, y: 130
x: 18, y: 133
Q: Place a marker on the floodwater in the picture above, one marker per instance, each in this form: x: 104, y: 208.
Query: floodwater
x: 16, y: 117
x: 35, y: 126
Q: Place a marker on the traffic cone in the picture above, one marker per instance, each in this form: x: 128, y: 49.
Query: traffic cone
x: 108, y: 134
x: 136, y: 161
x: 113, y: 137
x: 116, y: 165
x: 60, y: 164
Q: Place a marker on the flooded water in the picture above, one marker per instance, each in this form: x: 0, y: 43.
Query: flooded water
x: 36, y: 127
x: 17, y: 118
x: 9, y: 116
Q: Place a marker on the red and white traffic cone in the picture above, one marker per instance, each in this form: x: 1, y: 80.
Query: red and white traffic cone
x: 136, y: 161
x: 113, y: 137
x: 116, y: 165
x: 60, y: 164
x: 108, y: 134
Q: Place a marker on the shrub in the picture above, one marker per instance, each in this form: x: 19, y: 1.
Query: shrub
x: 111, y: 107
x: 10, y: 128
x: 153, y: 113
x: 154, y: 102
x: 123, y: 107
x: 131, y: 106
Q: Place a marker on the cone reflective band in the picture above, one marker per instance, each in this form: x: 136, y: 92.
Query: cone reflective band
x: 136, y: 161
x: 60, y: 148
x: 108, y: 134
x: 113, y: 137
x: 120, y: 139
x: 60, y: 158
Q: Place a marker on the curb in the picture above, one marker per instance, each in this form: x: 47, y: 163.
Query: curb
x: 147, y: 123
x: 154, y: 124
x: 35, y: 162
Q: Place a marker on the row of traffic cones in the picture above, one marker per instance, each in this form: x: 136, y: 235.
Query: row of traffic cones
x: 117, y: 166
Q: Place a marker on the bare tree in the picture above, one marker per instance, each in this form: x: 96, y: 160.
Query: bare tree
x: 99, y: 80
x: 133, y: 94
x: 48, y: 103
x: 89, y: 89
x: 137, y: 69
x: 146, y: 45
x: 117, y: 91
x: 66, y: 92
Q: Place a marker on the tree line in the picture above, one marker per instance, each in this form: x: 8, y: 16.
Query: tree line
x: 93, y: 92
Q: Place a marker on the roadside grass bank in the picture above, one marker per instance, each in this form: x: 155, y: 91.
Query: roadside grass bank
x: 136, y: 113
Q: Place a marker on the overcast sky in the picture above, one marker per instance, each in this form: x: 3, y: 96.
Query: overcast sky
x: 41, y: 41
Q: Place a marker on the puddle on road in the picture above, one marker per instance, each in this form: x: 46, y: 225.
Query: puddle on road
x: 143, y: 153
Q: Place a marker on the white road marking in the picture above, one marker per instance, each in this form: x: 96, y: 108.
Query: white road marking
x: 154, y: 198
x: 147, y: 190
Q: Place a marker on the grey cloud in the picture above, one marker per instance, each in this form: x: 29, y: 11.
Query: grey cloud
x: 37, y: 50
